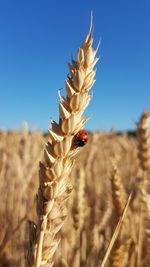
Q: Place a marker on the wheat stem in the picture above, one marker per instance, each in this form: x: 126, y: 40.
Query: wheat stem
x: 116, y: 232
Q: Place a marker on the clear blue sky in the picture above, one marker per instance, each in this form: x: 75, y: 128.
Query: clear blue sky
x: 37, y: 39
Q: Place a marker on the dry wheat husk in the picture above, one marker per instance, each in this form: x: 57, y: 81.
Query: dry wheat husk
x: 55, y: 170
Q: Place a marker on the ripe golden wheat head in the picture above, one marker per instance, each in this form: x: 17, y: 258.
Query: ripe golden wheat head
x: 55, y: 170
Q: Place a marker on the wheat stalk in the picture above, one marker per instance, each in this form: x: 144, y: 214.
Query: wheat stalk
x: 55, y: 170
x: 117, y: 230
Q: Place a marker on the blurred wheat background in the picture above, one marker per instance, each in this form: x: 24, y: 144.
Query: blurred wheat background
x: 108, y: 218
x: 107, y: 169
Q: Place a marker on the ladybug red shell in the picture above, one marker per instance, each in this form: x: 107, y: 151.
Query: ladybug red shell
x: 81, y: 138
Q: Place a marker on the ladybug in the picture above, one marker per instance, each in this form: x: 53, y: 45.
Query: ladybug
x: 81, y: 138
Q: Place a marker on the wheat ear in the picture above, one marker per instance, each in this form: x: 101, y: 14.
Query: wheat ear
x: 55, y: 170
x: 118, y: 192
x: 120, y: 258
x: 143, y: 136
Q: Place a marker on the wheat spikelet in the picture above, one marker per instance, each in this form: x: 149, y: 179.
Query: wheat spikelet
x: 55, y: 170
x: 118, y: 192
x: 120, y: 251
x: 143, y: 135
x: 120, y: 257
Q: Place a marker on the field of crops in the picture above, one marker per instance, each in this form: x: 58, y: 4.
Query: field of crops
x: 73, y: 199
x: 106, y: 171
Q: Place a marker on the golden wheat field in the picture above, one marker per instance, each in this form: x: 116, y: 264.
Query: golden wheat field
x: 71, y: 199
x: 106, y: 171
